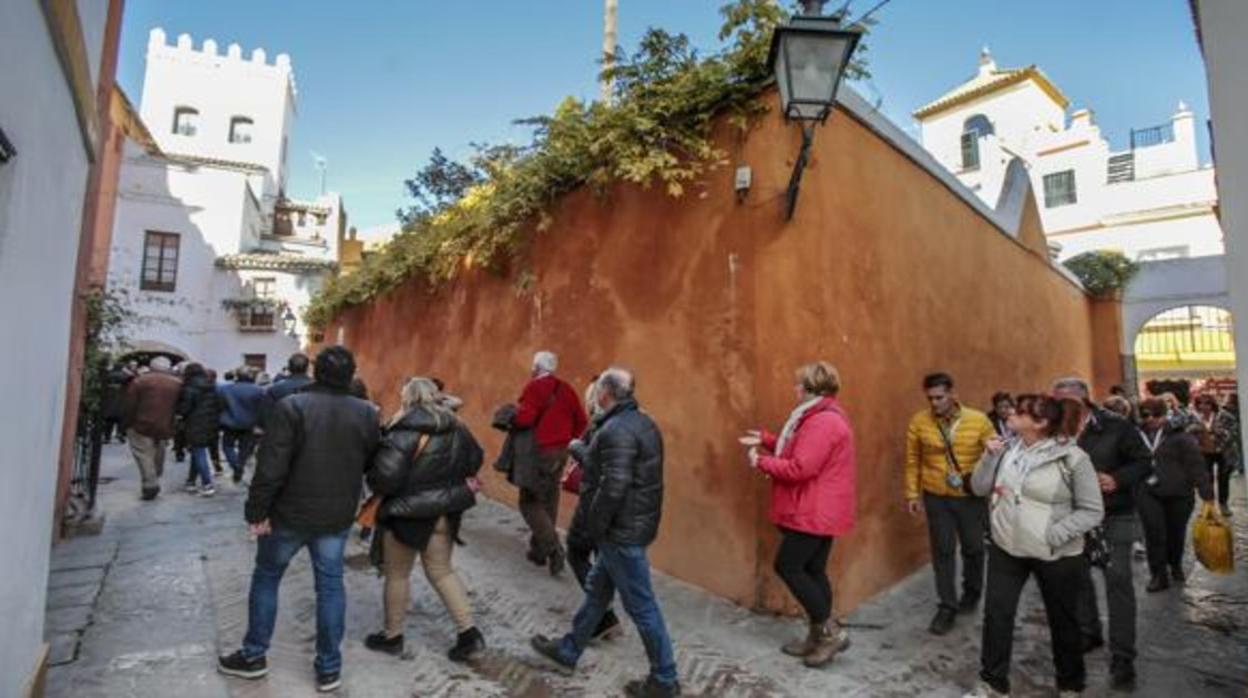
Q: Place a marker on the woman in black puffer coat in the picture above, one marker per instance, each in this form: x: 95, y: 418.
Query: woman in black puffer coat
x: 421, y: 470
x: 200, y: 409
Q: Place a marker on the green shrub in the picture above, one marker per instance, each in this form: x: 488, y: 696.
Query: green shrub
x: 1102, y: 271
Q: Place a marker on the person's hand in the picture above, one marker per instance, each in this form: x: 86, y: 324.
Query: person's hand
x: 995, y: 445
x: 474, y: 484
x: 752, y: 455
x: 913, y: 507
x: 1108, y: 483
x: 752, y: 438
x: 260, y: 529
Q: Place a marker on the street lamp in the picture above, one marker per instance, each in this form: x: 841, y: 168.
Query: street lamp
x: 808, y: 56
x: 288, y: 321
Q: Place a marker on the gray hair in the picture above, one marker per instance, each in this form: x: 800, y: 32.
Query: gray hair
x: 545, y: 361
x: 159, y: 363
x: 1073, y: 383
x: 617, y: 383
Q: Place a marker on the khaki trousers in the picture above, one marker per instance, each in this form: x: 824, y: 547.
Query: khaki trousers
x: 149, y: 454
x: 436, y: 560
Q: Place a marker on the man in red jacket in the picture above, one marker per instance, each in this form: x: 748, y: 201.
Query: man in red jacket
x: 553, y: 410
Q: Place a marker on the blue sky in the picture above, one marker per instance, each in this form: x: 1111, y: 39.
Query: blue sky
x: 382, y: 83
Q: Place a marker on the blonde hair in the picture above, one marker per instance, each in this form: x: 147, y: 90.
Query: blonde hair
x: 421, y: 392
x: 819, y: 378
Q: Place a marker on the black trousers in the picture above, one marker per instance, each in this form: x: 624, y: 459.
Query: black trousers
x: 1058, y: 580
x: 1165, y: 527
x: 802, y: 563
x: 1119, y: 591
x: 1220, y: 467
x: 954, y: 522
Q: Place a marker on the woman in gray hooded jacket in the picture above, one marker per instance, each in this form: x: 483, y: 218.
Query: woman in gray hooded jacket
x: 1043, y: 496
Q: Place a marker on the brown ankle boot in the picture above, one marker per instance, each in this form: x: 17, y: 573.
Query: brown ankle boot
x: 831, y: 641
x: 803, y: 646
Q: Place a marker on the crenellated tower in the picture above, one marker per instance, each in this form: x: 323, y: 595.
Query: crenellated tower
x: 222, y: 107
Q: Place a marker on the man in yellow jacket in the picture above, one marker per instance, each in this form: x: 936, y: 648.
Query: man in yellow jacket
x: 943, y: 444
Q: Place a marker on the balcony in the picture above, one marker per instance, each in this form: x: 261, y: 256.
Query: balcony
x: 257, y: 314
x: 1154, y: 135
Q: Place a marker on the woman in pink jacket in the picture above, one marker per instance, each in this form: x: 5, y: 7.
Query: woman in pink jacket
x: 812, y: 468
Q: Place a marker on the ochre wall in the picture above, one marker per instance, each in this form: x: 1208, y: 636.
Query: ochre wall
x: 883, y: 271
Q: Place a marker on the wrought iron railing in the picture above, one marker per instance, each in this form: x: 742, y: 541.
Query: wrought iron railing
x: 1199, y: 331
x: 1154, y: 135
x: 88, y: 444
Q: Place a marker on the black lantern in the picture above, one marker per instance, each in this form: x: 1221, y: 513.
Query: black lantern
x: 288, y: 321
x: 809, y: 56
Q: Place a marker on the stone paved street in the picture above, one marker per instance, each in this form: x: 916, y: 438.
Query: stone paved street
x: 143, y: 609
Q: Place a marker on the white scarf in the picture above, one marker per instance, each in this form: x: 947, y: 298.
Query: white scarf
x: 791, y: 425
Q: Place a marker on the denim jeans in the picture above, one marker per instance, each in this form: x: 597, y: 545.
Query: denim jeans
x: 199, y: 465
x: 237, y: 444
x: 626, y: 569
x: 273, y: 554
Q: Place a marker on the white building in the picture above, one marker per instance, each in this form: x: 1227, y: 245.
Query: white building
x: 57, y: 59
x: 219, y: 262
x: 1153, y: 201
x: 1220, y: 27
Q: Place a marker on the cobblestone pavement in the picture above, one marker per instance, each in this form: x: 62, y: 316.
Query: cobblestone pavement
x: 144, y: 608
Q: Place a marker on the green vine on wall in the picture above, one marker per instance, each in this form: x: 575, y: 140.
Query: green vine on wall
x: 108, y: 313
x: 655, y: 132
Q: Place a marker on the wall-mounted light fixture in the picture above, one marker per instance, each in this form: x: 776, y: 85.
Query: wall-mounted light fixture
x: 808, y: 56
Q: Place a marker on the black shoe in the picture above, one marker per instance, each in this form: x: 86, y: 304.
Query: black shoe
x: 378, y: 642
x: 556, y: 560
x: 328, y: 682
x: 943, y: 622
x: 549, y: 649
x: 217, y: 469
x: 968, y: 603
x: 607, y: 627
x: 468, y: 644
x: 535, y: 558
x: 1177, y: 575
x: 1121, y: 675
x: 649, y: 688
x: 1091, y: 643
x: 150, y: 494
x: 1159, y: 582
x: 238, y: 665
x: 235, y: 477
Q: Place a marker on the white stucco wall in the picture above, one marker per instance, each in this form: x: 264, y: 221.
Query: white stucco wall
x: 221, y: 82
x: 214, y: 215
x: 1223, y: 25
x: 1167, y: 210
x: 41, y: 196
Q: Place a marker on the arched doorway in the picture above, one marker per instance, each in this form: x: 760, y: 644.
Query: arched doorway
x: 1193, y: 343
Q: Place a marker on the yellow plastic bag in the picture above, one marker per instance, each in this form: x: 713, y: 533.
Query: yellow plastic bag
x: 1213, y: 541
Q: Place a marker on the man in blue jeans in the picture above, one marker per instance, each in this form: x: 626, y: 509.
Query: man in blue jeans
x: 305, y: 491
x: 620, y: 505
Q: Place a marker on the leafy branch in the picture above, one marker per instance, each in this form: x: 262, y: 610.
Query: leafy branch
x: 655, y: 132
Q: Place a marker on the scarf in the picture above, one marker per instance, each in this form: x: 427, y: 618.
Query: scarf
x: 794, y: 417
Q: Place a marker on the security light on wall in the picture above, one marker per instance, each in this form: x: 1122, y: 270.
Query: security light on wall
x: 808, y: 56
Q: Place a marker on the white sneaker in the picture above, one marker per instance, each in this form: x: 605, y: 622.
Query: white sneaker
x: 983, y: 690
x: 1138, y: 549
x: 207, y: 491
x: 192, y: 487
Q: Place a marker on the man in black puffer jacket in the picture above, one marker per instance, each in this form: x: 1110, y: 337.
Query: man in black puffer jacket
x: 1122, y: 462
x: 621, y: 502
x: 304, y: 493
